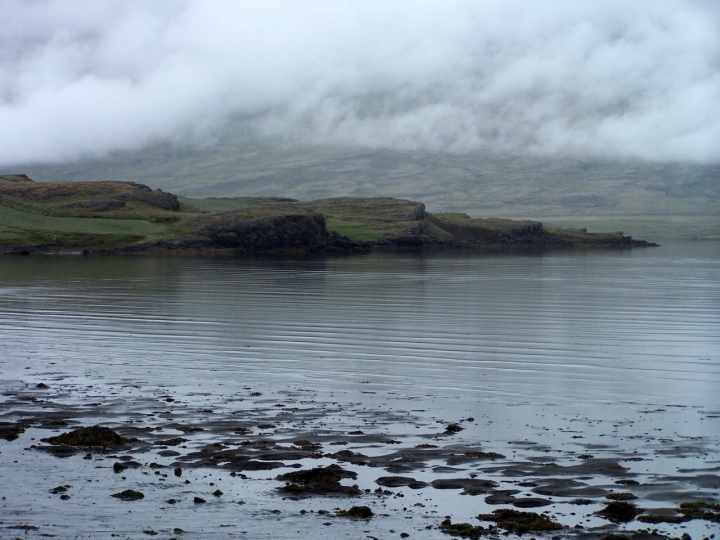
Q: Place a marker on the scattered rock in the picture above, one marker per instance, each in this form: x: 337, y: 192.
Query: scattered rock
x: 502, y: 496
x: 10, y: 432
x: 687, y: 511
x: 463, y: 530
x: 400, y: 481
x: 348, y: 455
x: 619, y: 512
x: 627, y: 482
x: 320, y: 480
x: 89, y: 436
x: 453, y: 428
x: 199, y: 500
x: 189, y: 429
x: 620, y: 496
x: 120, y: 466
x: 306, y: 445
x: 360, y: 512
x: 171, y: 442
x: 484, y: 455
x: 129, y: 495
x: 517, y: 522
x: 472, y: 484
x: 531, y: 502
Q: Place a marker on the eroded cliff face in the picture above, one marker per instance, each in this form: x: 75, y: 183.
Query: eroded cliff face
x: 263, y: 229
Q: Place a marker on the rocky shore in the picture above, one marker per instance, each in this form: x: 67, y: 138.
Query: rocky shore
x: 296, y: 459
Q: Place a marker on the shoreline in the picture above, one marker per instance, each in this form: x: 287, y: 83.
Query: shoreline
x: 321, y: 250
x: 409, y: 467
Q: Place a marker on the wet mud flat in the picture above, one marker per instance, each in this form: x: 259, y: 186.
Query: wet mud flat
x: 87, y: 458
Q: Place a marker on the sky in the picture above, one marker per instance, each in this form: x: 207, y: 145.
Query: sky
x: 617, y: 79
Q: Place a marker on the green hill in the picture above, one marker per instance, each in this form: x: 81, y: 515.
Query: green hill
x: 125, y: 215
x: 654, y: 200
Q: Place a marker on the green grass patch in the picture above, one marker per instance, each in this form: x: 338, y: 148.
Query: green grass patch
x: 18, y: 227
x: 358, y: 232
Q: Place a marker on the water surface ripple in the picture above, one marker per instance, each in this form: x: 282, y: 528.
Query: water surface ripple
x: 568, y: 326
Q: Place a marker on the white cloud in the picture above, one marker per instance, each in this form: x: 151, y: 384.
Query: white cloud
x: 611, y: 78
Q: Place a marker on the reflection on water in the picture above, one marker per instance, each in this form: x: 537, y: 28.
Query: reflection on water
x: 545, y: 327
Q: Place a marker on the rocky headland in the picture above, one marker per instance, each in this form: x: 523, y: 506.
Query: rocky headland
x: 130, y: 217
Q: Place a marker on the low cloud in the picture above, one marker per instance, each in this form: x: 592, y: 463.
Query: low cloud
x: 613, y: 78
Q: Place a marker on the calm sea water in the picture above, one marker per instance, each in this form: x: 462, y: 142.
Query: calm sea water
x: 560, y: 326
x: 610, y: 352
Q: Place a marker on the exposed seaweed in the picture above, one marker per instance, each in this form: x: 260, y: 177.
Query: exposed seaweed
x: 518, y: 522
x: 89, y: 436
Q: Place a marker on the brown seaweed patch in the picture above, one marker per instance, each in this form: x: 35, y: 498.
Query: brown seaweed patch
x: 189, y: 429
x: 359, y: 512
x: 319, y: 480
x: 171, y: 442
x: 484, y: 455
x: 332, y: 474
x: 463, y: 530
x: 518, y: 522
x: 623, y: 496
x: 356, y: 458
x: 307, y: 446
x: 89, y: 436
x: 10, y: 432
x: 620, y: 512
x: 129, y: 495
x: 687, y: 511
x: 627, y: 482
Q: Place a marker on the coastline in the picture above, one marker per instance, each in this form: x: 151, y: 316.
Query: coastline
x: 124, y: 217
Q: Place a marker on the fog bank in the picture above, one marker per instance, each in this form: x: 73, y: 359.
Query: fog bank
x: 613, y: 78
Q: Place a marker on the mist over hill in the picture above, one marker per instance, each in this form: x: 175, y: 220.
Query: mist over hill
x: 613, y: 79
x: 553, y: 109
x: 642, y: 198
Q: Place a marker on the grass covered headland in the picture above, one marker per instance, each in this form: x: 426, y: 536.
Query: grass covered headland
x: 125, y: 216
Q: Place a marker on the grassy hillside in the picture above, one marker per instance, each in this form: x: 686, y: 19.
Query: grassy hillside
x: 644, y: 199
x: 92, y: 215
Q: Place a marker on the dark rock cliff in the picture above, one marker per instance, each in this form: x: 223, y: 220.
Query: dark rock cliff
x: 247, y: 230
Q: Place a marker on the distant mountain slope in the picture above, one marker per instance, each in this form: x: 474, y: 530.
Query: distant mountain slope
x: 653, y: 199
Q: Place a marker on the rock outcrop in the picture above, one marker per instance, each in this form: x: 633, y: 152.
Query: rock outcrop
x: 262, y: 230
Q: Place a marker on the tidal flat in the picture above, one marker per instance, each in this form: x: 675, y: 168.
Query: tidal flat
x: 424, y: 387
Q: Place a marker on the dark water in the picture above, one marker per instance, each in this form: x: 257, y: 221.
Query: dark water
x: 527, y: 339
